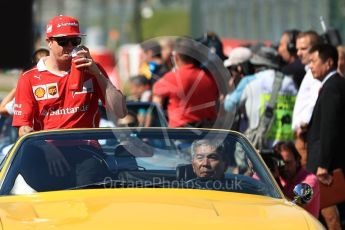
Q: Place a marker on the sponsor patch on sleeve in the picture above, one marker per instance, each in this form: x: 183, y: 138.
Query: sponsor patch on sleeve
x: 17, y: 109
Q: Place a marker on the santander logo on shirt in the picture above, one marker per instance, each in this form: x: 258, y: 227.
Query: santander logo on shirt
x: 65, y: 111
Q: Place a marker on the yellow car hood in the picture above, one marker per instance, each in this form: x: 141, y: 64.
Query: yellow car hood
x: 150, y: 209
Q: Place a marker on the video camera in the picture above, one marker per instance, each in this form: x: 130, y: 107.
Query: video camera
x: 272, y: 159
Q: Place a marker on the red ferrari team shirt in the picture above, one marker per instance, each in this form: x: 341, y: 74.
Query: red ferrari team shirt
x: 192, y: 94
x: 43, y: 101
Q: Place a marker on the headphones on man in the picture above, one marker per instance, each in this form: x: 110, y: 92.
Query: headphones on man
x: 291, y: 46
x: 214, y: 43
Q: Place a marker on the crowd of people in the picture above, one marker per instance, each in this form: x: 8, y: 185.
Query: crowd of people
x: 300, y: 113
x: 289, y: 98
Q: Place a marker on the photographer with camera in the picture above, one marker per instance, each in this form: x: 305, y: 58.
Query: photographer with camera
x: 292, y: 173
x: 268, y: 100
x: 242, y: 72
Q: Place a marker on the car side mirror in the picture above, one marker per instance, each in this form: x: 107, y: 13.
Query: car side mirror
x: 303, y: 193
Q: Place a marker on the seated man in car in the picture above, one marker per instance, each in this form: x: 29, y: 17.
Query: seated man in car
x: 208, y: 159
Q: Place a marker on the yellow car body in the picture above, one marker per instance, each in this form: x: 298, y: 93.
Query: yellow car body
x: 151, y: 209
x: 147, y: 208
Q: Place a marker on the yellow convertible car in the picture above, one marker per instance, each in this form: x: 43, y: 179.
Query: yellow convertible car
x: 143, y: 178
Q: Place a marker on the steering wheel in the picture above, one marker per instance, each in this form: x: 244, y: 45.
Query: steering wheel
x: 206, y: 183
x: 193, y: 180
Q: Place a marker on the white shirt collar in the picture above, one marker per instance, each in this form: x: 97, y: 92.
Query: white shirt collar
x: 41, y: 66
x: 330, y: 74
x: 306, y: 67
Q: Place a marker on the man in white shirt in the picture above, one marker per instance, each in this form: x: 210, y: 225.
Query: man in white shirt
x: 307, y: 93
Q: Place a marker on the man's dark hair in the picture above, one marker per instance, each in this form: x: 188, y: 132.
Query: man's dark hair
x: 186, y: 48
x: 211, y: 40
x: 326, y: 51
x: 291, y: 45
x: 39, y: 52
x: 140, y: 80
x: 288, y: 146
x: 314, y: 37
x: 154, y: 46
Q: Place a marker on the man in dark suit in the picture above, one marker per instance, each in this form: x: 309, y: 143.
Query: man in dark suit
x: 326, y: 141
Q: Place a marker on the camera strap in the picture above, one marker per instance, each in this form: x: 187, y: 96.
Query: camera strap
x: 266, y: 120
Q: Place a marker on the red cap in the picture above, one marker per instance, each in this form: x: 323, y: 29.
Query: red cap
x: 61, y: 26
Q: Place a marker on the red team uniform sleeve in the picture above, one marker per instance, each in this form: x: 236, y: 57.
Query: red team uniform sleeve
x: 25, y: 104
x: 164, y: 85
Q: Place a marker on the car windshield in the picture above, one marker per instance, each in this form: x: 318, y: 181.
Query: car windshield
x: 147, y: 113
x: 136, y: 158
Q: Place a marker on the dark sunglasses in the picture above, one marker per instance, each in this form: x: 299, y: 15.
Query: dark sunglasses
x: 63, y: 41
x: 233, y: 68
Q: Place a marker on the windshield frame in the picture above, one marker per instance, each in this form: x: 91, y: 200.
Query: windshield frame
x: 161, y: 133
